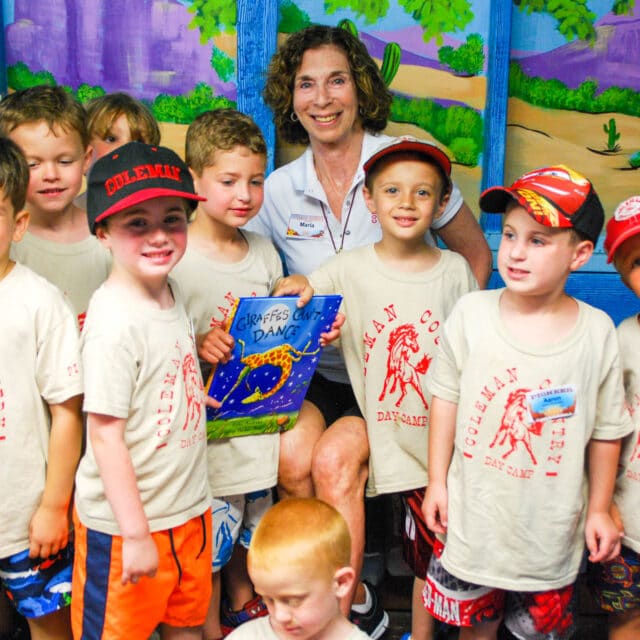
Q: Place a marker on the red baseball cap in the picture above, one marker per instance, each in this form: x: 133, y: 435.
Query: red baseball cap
x: 624, y: 224
x: 415, y: 145
x: 134, y: 173
x: 556, y: 196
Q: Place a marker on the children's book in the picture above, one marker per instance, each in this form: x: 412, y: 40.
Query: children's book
x: 277, y: 348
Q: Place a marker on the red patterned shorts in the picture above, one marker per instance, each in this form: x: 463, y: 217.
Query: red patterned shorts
x: 528, y: 615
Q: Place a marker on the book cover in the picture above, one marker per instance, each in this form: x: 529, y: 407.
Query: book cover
x: 277, y: 348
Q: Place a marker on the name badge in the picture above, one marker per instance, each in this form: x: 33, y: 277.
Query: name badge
x: 305, y: 227
x: 550, y: 404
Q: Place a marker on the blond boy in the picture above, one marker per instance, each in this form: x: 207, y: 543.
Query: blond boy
x: 299, y: 563
x: 40, y: 423
x: 49, y: 126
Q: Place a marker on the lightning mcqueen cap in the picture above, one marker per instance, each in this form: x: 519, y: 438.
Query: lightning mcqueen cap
x: 555, y: 196
x: 624, y: 224
x: 132, y: 174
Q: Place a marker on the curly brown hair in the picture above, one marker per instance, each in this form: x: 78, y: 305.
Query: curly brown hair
x: 374, y: 99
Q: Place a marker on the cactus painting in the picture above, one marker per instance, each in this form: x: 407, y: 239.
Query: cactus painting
x: 612, y: 135
x: 390, y: 57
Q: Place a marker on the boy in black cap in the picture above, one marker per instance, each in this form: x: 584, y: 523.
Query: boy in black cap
x: 528, y: 411
x: 142, y: 521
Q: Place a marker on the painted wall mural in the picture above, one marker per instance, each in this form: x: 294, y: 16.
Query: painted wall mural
x: 574, y: 79
x: 575, y: 95
x: 162, y: 52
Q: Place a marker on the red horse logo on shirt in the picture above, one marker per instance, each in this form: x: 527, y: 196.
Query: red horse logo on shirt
x: 515, y: 426
x: 401, y: 372
x: 193, y: 391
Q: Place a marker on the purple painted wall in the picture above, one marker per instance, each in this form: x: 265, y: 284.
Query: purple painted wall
x: 104, y: 42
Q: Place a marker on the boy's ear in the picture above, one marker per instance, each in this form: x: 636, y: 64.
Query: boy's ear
x: 21, y: 222
x: 368, y: 199
x: 86, y: 162
x: 102, y: 235
x: 343, y: 580
x: 581, y: 254
x: 196, y: 179
x: 444, y: 201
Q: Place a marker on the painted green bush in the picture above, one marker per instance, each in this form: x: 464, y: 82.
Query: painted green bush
x: 291, y: 18
x: 468, y: 58
x: 222, y: 64
x: 19, y: 76
x: 183, y: 109
x: 457, y: 127
x: 554, y: 94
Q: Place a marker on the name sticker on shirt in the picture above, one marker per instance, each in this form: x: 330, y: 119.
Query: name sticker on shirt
x: 305, y: 227
x: 550, y: 404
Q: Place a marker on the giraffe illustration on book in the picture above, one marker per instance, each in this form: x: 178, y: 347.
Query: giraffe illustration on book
x: 282, y: 356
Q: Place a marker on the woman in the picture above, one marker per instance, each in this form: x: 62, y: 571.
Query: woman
x: 326, y: 90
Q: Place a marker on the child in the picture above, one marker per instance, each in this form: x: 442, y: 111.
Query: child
x: 299, y: 563
x: 50, y: 128
x: 143, y: 524
x: 397, y: 293
x: 117, y: 118
x: 527, y: 414
x: 40, y: 423
x: 226, y: 154
x: 617, y: 583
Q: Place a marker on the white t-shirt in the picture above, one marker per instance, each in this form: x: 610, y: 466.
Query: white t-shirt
x: 260, y: 629
x: 76, y: 268
x: 140, y: 364
x: 247, y: 463
x: 517, y: 483
x: 390, y: 336
x: 39, y: 366
x: 297, y: 217
x: 627, y: 494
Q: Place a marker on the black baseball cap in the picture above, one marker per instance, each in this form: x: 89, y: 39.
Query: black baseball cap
x: 132, y: 174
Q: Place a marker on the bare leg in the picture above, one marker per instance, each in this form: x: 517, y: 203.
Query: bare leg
x: 422, y: 624
x: 55, y: 626
x: 211, y: 629
x: 167, y: 632
x: 237, y: 582
x: 625, y: 626
x: 296, y: 450
x: 487, y: 631
x: 339, y: 471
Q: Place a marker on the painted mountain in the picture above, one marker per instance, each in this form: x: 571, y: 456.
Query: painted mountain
x: 149, y: 50
x: 612, y: 61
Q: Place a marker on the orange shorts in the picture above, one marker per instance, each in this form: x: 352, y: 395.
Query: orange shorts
x: 178, y: 595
